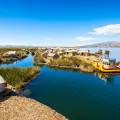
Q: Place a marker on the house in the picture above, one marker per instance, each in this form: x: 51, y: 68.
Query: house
x: 108, y: 61
x: 3, y: 84
x: 45, y: 55
x: 53, y: 55
x: 9, y: 53
x: 105, y: 59
x: 71, y: 50
x: 106, y: 52
x: 84, y: 52
x: 56, y: 56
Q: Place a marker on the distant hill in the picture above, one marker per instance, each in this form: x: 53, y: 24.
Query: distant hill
x: 112, y: 44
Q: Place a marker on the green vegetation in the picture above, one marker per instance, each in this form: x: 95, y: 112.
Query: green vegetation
x: 10, y: 58
x: 118, y: 63
x: 66, y: 61
x: 38, y: 59
x: 21, y: 54
x: 18, y: 77
x: 3, y: 50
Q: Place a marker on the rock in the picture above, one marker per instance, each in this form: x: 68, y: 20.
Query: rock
x: 21, y: 108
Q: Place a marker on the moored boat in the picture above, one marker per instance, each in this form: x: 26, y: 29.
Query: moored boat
x: 106, y: 64
x: 104, y: 68
x: 107, y: 68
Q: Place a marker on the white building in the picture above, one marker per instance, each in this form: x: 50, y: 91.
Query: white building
x: 3, y: 84
x: 11, y: 53
x: 108, y: 61
x: 105, y: 59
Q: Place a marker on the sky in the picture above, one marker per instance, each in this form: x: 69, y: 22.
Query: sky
x: 59, y: 22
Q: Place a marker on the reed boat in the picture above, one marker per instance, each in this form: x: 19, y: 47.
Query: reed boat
x: 107, y: 68
x: 96, y: 65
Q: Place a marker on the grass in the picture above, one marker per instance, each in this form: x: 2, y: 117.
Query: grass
x: 18, y: 77
x: 3, y: 50
x: 67, y: 61
x: 38, y: 59
x: 73, y: 62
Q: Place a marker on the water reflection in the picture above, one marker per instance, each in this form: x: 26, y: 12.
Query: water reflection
x: 106, y: 77
x: 24, y: 92
x: 64, y: 69
x: 26, y: 62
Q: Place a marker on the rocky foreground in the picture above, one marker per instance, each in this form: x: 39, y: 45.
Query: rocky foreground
x: 21, y: 108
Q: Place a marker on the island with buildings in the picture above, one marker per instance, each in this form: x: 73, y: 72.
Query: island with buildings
x: 13, y: 79
x: 63, y: 58
x: 83, y: 60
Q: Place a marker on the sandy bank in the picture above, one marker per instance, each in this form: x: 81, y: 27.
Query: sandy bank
x: 21, y: 108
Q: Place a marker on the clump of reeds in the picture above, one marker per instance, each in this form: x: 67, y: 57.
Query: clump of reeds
x: 18, y: 77
x: 38, y: 58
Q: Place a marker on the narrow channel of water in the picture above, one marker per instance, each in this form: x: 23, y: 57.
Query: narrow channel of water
x: 26, y: 62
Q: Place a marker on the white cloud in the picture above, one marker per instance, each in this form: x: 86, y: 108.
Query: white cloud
x: 107, y: 30
x: 84, y: 38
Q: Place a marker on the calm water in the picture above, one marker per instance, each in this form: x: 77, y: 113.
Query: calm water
x: 26, y: 62
x: 77, y: 95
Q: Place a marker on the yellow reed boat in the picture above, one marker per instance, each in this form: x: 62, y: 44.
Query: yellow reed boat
x: 107, y: 68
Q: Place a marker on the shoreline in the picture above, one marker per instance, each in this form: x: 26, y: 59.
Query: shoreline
x: 11, y: 89
x: 14, y: 60
x: 12, y: 83
x: 17, y: 108
x: 67, y: 67
x: 25, y: 84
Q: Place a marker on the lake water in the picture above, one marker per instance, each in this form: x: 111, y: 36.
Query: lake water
x: 77, y: 95
x: 26, y: 62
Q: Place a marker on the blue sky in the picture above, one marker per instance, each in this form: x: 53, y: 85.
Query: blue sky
x: 59, y: 22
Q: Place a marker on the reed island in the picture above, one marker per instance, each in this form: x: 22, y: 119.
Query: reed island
x: 71, y: 58
x: 15, y: 78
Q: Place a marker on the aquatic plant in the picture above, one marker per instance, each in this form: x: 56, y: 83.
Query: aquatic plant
x: 18, y: 77
x: 38, y: 58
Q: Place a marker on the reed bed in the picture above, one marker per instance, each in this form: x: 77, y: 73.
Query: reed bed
x: 18, y: 77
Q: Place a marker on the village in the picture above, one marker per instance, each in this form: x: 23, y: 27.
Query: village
x: 74, y: 58
x: 10, y: 55
x: 63, y: 58
x: 13, y: 80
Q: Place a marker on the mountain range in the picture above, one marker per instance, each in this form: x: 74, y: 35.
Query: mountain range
x: 111, y: 44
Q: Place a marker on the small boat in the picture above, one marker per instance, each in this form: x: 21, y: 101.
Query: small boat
x: 107, y: 68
